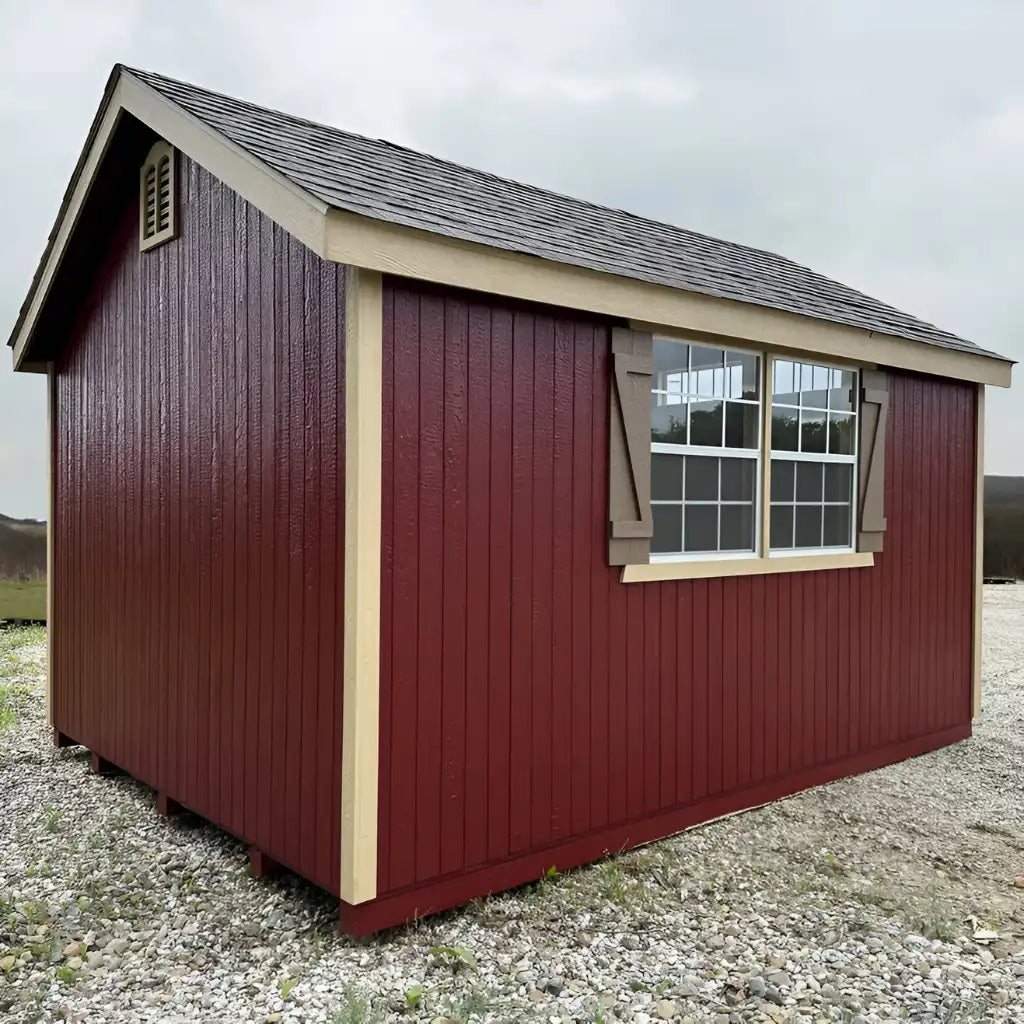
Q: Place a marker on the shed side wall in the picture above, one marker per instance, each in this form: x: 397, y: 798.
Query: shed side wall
x: 529, y: 698
x: 199, y: 548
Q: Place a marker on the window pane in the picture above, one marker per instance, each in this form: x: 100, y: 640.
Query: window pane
x: 668, y: 422
x: 840, y: 433
x: 782, y: 526
x: 837, y: 526
x: 701, y: 478
x: 706, y: 423
x: 808, y: 481
x: 785, y: 382
x: 701, y: 532
x: 666, y: 477
x: 705, y: 355
x: 841, y: 395
x: 741, y: 425
x: 743, y: 376
x: 808, y: 526
x: 670, y: 355
x: 812, y: 431
x: 785, y: 423
x: 838, y: 481
x: 783, y: 480
x: 738, y: 479
x: 668, y: 528
x: 737, y: 528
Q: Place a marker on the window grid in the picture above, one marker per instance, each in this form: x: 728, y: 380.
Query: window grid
x: 706, y: 379
x: 783, y: 529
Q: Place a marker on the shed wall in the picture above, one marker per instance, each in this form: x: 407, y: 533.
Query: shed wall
x: 532, y: 706
x: 198, y: 534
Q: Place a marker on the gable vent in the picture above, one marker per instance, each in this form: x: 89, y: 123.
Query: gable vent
x: 157, y: 214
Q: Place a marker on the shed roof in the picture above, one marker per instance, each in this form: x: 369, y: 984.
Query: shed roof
x: 383, y: 181
x: 304, y: 174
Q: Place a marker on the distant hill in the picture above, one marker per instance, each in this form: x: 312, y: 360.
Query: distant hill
x: 22, y: 549
x: 1004, y: 526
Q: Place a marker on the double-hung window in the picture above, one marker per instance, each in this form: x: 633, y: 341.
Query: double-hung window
x: 705, y: 450
x: 813, y: 457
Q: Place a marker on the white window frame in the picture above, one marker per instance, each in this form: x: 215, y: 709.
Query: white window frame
x: 763, y: 456
x: 756, y: 454
x: 822, y: 458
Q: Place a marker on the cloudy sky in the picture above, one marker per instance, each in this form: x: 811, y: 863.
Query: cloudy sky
x: 881, y: 143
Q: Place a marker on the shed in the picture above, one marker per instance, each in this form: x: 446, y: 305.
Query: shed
x: 427, y: 530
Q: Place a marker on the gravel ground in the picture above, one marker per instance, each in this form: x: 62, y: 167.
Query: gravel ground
x: 886, y: 897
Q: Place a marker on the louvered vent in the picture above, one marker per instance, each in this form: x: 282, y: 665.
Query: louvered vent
x: 156, y: 197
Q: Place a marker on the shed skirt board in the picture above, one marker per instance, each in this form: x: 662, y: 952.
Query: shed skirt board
x: 401, y: 907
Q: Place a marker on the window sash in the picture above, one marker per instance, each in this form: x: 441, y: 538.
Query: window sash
x: 764, y: 454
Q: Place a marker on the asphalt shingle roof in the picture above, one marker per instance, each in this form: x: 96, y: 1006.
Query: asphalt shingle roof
x: 390, y: 183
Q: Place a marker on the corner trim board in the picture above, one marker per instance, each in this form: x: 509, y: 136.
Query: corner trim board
x: 659, y: 571
x: 361, y: 701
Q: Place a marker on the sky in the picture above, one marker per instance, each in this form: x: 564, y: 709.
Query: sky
x: 880, y: 143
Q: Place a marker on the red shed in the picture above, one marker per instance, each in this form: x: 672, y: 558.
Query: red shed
x: 427, y: 530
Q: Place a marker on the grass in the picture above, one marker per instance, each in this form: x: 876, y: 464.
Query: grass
x: 22, y: 600
x: 13, y: 691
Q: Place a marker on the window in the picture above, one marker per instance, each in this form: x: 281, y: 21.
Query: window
x: 813, y: 456
x: 726, y: 462
x: 705, y: 450
x: 157, y: 213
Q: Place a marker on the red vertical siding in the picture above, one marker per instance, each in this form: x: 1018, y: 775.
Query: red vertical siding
x: 533, y: 698
x: 197, y: 639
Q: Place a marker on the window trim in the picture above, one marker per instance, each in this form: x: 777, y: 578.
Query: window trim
x: 764, y: 561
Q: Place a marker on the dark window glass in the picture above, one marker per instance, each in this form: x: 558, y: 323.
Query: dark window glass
x: 668, y: 423
x: 783, y: 479
x: 808, y: 526
x: 738, y: 479
x: 841, y: 394
x: 784, y: 429
x: 782, y: 526
x: 837, y: 526
x: 808, y: 481
x: 737, y: 528
x: 701, y: 530
x: 838, y: 478
x: 840, y: 433
x: 669, y: 355
x: 701, y: 478
x: 666, y: 477
x: 812, y: 431
x: 704, y: 355
x: 668, y: 528
x: 706, y: 423
x: 741, y: 425
x: 742, y: 374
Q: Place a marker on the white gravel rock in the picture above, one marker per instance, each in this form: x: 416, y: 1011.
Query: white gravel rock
x: 857, y: 902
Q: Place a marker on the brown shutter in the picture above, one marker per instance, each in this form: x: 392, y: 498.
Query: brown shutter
x: 629, y: 449
x: 874, y: 411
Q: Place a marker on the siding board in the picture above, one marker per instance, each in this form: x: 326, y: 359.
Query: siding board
x: 629, y: 701
x: 197, y: 639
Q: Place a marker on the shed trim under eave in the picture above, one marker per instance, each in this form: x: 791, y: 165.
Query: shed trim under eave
x: 979, y: 549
